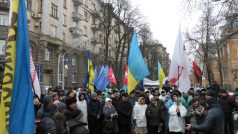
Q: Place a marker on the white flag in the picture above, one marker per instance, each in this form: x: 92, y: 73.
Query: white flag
x: 34, y: 78
x: 179, y: 67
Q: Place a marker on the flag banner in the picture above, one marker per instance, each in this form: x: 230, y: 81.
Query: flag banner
x: 21, y: 115
x: 103, y: 80
x: 34, y: 78
x: 90, y: 73
x: 99, y: 75
x: 161, y: 75
x: 197, y: 72
x: 95, y: 74
x: 125, y: 81
x: 137, y: 68
x: 9, y: 70
x: 179, y: 67
x: 111, y: 77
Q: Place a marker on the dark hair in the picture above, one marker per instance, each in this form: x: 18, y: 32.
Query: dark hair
x: 193, y: 100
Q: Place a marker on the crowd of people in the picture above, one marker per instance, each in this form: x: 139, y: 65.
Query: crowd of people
x: 80, y: 111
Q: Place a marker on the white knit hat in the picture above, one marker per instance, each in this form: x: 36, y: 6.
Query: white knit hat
x: 108, y: 99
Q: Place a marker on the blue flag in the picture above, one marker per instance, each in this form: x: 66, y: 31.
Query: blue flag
x: 22, y: 115
x: 99, y: 75
x: 103, y: 80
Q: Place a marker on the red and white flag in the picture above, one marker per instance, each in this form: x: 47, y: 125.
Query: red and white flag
x: 179, y: 67
x: 34, y: 78
x: 111, y: 77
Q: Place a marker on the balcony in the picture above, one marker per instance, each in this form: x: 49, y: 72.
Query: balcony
x: 78, y: 2
x: 95, y: 27
x: 77, y: 16
x: 95, y: 40
x: 76, y: 32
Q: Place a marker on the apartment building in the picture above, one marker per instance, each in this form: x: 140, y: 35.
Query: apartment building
x: 60, y: 29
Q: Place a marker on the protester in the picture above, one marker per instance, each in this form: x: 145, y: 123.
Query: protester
x: 125, y: 111
x: 94, y: 114
x: 162, y: 96
x: 139, y: 116
x: 195, y: 112
x: 115, y: 98
x: 177, y: 113
x: 214, y: 120
x: 228, y: 105
x: 110, y: 122
x: 82, y: 106
x: 154, y: 115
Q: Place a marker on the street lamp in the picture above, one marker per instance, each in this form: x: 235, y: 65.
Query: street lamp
x: 64, y: 61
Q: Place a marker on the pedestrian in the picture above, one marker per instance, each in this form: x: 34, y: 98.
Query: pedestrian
x: 214, y: 120
x: 177, y: 113
x: 110, y: 125
x: 124, y: 111
x: 82, y: 106
x: 139, y: 117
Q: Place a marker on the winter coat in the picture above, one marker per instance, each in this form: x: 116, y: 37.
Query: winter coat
x: 177, y: 122
x: 47, y: 125
x: 214, y: 121
x: 76, y: 127
x: 82, y: 106
x: 192, y: 113
x: 124, y: 112
x: 186, y: 103
x: 110, y: 121
x: 153, y: 114
x: 139, y: 115
x: 61, y: 125
x: 94, y: 109
x: 228, y: 105
x: 115, y: 101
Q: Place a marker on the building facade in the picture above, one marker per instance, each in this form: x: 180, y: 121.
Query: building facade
x: 60, y: 29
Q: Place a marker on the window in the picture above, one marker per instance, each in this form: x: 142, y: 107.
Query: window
x: 85, y: 16
x: 75, y: 8
x: 60, y: 78
x: 47, y: 54
x: 63, y: 36
x: 2, y: 47
x: 64, y: 3
x: 3, y: 19
x: 73, y: 61
x: 28, y: 5
x: 64, y: 19
x: 54, y: 10
x: 53, y: 29
x: 74, y: 78
x: 85, y: 30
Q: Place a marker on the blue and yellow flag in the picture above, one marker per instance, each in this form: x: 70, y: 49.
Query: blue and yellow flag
x: 17, y: 108
x: 161, y: 75
x: 137, y: 68
x: 90, y: 73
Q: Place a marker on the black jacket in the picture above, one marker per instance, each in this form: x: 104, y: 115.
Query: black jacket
x: 214, y: 120
x: 124, y: 112
x: 227, y: 105
x: 76, y: 127
x: 154, y: 114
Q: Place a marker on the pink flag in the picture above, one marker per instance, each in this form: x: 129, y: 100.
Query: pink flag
x: 179, y: 67
x: 111, y: 77
x: 126, y: 76
x: 34, y: 78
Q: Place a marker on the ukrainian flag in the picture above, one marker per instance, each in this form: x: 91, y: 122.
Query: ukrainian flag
x: 161, y: 75
x: 17, y: 108
x: 137, y: 68
x: 90, y: 73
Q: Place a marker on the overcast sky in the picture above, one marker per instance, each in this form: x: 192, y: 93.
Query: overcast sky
x: 164, y: 17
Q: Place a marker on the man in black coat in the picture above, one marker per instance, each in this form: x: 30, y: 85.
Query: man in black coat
x: 228, y: 104
x: 214, y: 120
x: 94, y: 114
x: 124, y: 111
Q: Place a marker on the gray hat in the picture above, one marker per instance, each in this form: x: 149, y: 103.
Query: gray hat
x: 93, y: 94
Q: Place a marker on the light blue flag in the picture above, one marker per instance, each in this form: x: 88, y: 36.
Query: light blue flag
x: 22, y: 115
x: 95, y: 74
x: 136, y: 63
x: 103, y: 80
x: 99, y: 75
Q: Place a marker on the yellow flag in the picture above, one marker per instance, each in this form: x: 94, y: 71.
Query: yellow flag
x: 10, y: 60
